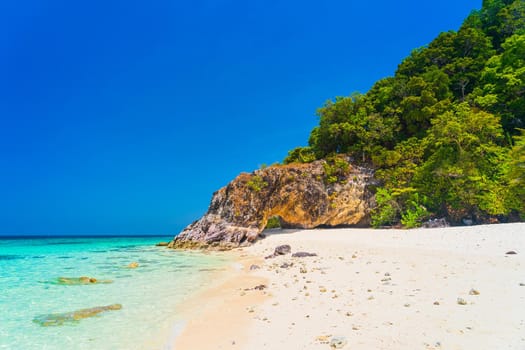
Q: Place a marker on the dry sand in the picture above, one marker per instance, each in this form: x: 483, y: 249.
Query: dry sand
x: 374, y: 289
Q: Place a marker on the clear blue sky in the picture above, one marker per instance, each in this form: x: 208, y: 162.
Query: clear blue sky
x: 123, y: 117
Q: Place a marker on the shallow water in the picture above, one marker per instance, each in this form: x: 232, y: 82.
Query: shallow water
x: 149, y: 294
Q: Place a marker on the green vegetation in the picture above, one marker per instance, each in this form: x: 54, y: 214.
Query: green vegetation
x: 256, y: 183
x: 444, y: 134
x: 273, y: 222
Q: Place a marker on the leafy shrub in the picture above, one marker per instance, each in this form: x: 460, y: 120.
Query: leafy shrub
x: 256, y: 183
x: 273, y: 222
x: 386, y: 210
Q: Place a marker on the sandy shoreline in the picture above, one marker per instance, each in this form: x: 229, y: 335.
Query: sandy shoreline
x: 373, y: 289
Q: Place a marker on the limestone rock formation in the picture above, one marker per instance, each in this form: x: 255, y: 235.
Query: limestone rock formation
x: 300, y: 195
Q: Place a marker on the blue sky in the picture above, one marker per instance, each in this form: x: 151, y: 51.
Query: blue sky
x: 123, y: 117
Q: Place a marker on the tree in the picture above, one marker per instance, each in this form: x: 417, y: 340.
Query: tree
x: 516, y: 174
x: 463, y: 173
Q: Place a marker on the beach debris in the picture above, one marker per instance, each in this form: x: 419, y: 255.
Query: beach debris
x: 162, y: 244
x: 73, y: 317
x: 260, y: 287
x: 133, y: 265
x: 461, y: 301
x: 280, y: 250
x: 338, y: 342
x: 78, y: 281
x: 254, y: 267
x: 511, y: 252
x: 323, y: 339
x: 302, y: 254
x: 473, y: 292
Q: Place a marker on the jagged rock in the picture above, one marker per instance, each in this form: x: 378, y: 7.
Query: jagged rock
x: 300, y: 195
x: 162, y: 244
x: 302, y: 254
x: 71, y: 317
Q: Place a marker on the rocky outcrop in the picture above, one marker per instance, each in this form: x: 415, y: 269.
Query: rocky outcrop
x: 300, y: 195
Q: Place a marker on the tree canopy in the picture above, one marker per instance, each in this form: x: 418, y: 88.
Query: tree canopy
x: 445, y: 133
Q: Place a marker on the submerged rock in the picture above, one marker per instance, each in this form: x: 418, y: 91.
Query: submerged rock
x: 162, y: 244
x: 133, y: 265
x: 83, y: 280
x: 72, y: 317
x: 300, y: 195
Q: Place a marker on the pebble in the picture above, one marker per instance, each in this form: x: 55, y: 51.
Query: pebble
x: 436, y: 302
x: 511, y: 252
x: 303, y: 270
x: 254, y: 267
x: 473, y: 292
x: 461, y: 301
x: 338, y: 342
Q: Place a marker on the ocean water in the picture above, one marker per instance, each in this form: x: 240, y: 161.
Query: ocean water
x: 150, y: 295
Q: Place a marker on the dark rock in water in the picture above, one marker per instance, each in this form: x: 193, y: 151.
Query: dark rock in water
x: 511, y: 252
x: 9, y: 257
x: 162, y: 244
x: 280, y: 250
x: 75, y: 281
x: 302, y: 196
x: 73, y: 317
x: 436, y: 223
x: 302, y: 254
x: 254, y: 267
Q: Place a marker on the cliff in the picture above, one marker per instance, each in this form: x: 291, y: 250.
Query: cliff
x: 300, y: 195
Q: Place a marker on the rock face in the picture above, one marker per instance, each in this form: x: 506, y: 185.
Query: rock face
x: 300, y: 195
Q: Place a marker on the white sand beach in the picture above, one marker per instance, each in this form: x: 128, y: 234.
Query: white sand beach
x: 447, y: 288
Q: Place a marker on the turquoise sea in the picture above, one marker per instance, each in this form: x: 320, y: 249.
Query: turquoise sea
x: 149, y: 294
